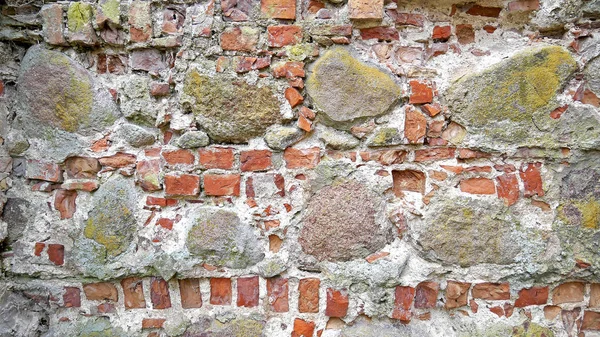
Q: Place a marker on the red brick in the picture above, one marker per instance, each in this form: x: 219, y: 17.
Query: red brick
x: 303, y: 328
x: 39, y: 248
x: 304, y: 123
x: 255, y: 160
x: 523, y: 5
x: 532, y: 296
x: 388, y: 157
x: 380, y: 33
x: 289, y: 70
x: 56, y: 254
x: 72, y: 297
x: 147, y: 173
x: 308, y: 298
x: 491, y: 12
x: 153, y: 323
x: 52, y: 17
x: 456, y: 294
x: 570, y: 292
x: 159, y: 293
x: 426, y: 294
x: 140, y: 21
x: 472, y: 154
x: 376, y: 256
x: 165, y: 223
x: 82, y: 167
x: 191, y: 296
x: 594, y: 295
x: 238, y: 38
x: 162, y: 202
x: 499, y: 311
x: 465, y: 34
x: 420, y: 92
x: 64, y: 203
x: 182, y: 184
x: 101, y: 291
x: 160, y: 89
x: 551, y: 312
x: 408, y: 180
x: 179, y: 156
x: 278, y: 9
x: 491, y: 291
x: 293, y: 97
x: 106, y: 308
x: 532, y: 179
x: 302, y: 158
x: 118, y: 160
x: 402, y: 304
x: 508, y: 188
x: 415, y: 125
x: 277, y: 294
x: 133, y: 292
x: 365, y: 9
x: 220, y: 291
x: 216, y: 158
x: 591, y: 320
x: 306, y: 112
x: 285, y: 35
x: 337, y: 303
x: 248, y: 292
x: 79, y: 185
x: 441, y: 33
x: 222, y: 184
x: 489, y: 29
x: 275, y: 243
x: 478, y: 186
x: 406, y: 19
x: 46, y: 171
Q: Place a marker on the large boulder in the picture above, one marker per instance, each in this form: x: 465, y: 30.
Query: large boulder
x: 218, y: 237
x: 509, y: 104
x: 347, y: 90
x: 342, y: 223
x: 230, y: 110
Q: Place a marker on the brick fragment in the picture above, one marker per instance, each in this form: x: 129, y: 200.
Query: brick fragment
x: 64, y: 203
x: 523, y: 5
x: 569, y: 292
x: 220, y: 291
x: 182, y: 184
x: 591, y: 320
x: 532, y: 179
x: 365, y: 9
x: 491, y: 291
x: 278, y: 9
x: 160, y: 89
x: 179, y: 156
x: 415, y: 125
x: 284, y: 35
x: 162, y: 202
x: 302, y: 158
x: 441, y: 33
x: 191, y: 296
x: 222, y: 184
x: 39, y: 170
x: 420, y: 92
x: 255, y: 160
x: 465, y: 33
x: 303, y: 328
x: 101, y: 291
x: 426, y: 294
x: 337, y: 303
x: 308, y: 299
x: 56, y: 254
x: 153, y: 323
x: 216, y: 158
x: 594, y: 295
x: 277, y: 294
x: 532, y: 296
x: 147, y: 173
x: 289, y: 70
x: 72, y: 297
x: 380, y: 33
x: 491, y: 12
x: 478, y: 186
x: 456, y: 294
x: 133, y: 292
x: 508, y: 188
x: 159, y: 293
x: 238, y: 38
x: 118, y: 160
x: 293, y: 97
x: 140, y: 21
x: 248, y: 292
x: 402, y: 304
x: 408, y: 180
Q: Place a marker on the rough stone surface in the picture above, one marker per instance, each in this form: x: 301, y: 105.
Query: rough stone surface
x: 346, y: 89
x: 339, y: 211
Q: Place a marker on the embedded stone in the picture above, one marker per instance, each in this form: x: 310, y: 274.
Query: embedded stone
x: 346, y: 89
x: 280, y: 137
x: 509, y: 104
x: 111, y: 221
x: 55, y: 92
x: 230, y: 110
x: 342, y: 223
x: 209, y: 326
x: 219, y: 238
x: 193, y: 139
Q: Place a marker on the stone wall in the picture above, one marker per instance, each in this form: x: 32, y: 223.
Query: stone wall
x: 300, y: 168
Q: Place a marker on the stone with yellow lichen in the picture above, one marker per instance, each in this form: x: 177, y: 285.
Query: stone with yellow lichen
x: 347, y: 90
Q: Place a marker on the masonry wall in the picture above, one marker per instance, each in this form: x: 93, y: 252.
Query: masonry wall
x: 300, y: 168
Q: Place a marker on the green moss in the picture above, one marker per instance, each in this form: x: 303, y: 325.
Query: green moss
x: 112, y: 10
x: 386, y: 137
x: 79, y: 15
x: 74, y: 105
x: 530, y: 329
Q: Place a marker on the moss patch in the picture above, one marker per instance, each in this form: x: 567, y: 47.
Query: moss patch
x: 79, y: 15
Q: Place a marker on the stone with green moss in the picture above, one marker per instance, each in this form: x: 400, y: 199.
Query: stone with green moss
x: 218, y: 237
x: 79, y: 22
x: 109, y: 12
x: 230, y: 109
x: 347, y: 90
x: 530, y: 329
x: 385, y: 136
x: 193, y: 139
x: 111, y: 221
x: 239, y: 327
x: 592, y: 75
x: 509, y: 104
x: 57, y: 94
x: 280, y: 137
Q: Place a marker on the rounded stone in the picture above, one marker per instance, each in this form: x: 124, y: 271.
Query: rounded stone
x: 342, y: 223
x: 193, y: 139
x: 219, y: 238
x: 345, y: 89
x: 231, y: 110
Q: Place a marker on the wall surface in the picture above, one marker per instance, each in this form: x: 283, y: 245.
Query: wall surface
x: 300, y: 168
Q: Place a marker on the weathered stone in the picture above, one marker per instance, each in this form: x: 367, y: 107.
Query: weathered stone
x: 108, y: 12
x: 341, y: 223
x: 592, y: 75
x: 347, y: 90
x: 111, y: 221
x: 79, y: 22
x: 509, y: 103
x: 17, y: 213
x: 231, y: 111
x: 337, y: 140
x: 21, y: 315
x: 57, y: 93
x: 280, y: 137
x: 461, y: 232
x: 385, y: 136
x: 52, y: 17
x: 193, y: 139
x: 134, y: 135
x: 209, y: 327
x: 136, y: 104
x: 219, y: 238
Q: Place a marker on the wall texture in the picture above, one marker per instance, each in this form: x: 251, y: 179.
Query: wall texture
x: 300, y: 168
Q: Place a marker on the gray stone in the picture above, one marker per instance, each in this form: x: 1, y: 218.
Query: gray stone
x: 209, y: 327
x: 134, y: 135
x: 20, y: 316
x: 218, y: 237
x: 193, y: 139
x: 347, y: 90
x: 509, y: 104
x: 17, y: 213
x: 342, y: 223
x: 230, y: 109
x: 137, y: 105
x: 16, y: 143
x: 592, y: 9
x: 280, y: 137
x: 337, y: 140
x: 592, y: 75
x: 111, y: 221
